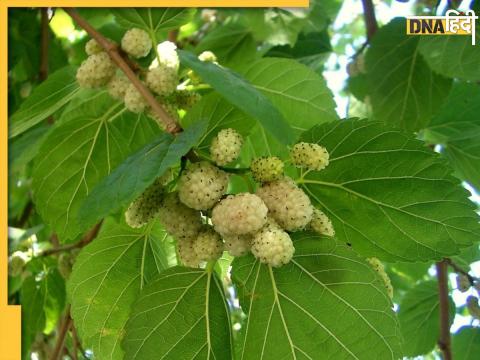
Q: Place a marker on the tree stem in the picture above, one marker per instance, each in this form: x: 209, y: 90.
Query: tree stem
x: 171, y: 125
x: 370, y: 19
x: 67, y: 321
x: 444, y: 336
x: 459, y: 270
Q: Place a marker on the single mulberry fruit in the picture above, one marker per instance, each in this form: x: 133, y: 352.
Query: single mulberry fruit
x: 117, y: 87
x: 238, y: 245
x: 95, y: 71
x: 16, y: 263
x: 134, y: 101
x: 145, y: 207
x: 239, y: 214
x: 167, y: 56
x: 207, y: 56
x: 202, y: 185
x: 321, y: 224
x: 184, y: 99
x: 208, y: 245
x: 226, y: 146
x: 380, y: 269
x: 287, y: 203
x: 265, y: 169
x: 179, y: 220
x: 473, y: 307
x: 65, y: 264
x: 187, y: 254
x: 162, y: 80
x: 136, y: 42
x: 463, y: 283
x: 273, y: 246
x: 93, y: 47
x: 309, y: 155
x: 171, y: 110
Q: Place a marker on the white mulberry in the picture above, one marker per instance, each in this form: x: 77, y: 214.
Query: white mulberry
x: 167, y: 56
x: 93, y: 47
x: 238, y: 245
x: 266, y: 169
x: 202, y: 185
x: 208, y: 245
x: 239, y: 214
x: 179, y: 220
x: 207, y: 56
x: 95, y: 71
x: 145, y: 207
x: 162, y: 80
x: 380, y: 269
x: 16, y: 263
x: 134, y: 101
x: 184, y: 99
x: 309, y: 155
x: 321, y: 224
x: 117, y: 87
x: 273, y: 246
x: 136, y: 42
x: 226, y: 146
x: 187, y: 254
x: 463, y: 283
x: 287, y: 203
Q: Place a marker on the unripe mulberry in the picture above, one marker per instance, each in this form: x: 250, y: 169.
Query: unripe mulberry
x: 463, y: 283
x: 145, y: 207
x: 93, y: 47
x: 134, y: 101
x: 265, y: 169
x: 184, y: 99
x: 136, y: 42
x: 208, y: 245
x: 171, y: 110
x: 309, y: 155
x: 162, y: 80
x: 207, y: 56
x: 238, y: 245
x: 95, y: 71
x: 65, y: 264
x: 202, y: 185
x: 273, y: 246
x: 167, y: 56
x: 239, y: 214
x: 187, y: 254
x: 473, y: 307
x: 117, y: 87
x: 321, y: 224
x: 287, y: 203
x: 179, y: 220
x: 16, y: 263
x: 380, y: 269
x: 226, y: 146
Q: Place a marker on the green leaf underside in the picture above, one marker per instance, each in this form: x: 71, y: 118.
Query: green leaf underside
x: 322, y: 294
x: 138, y: 172
x: 106, y: 279
x: 73, y: 158
x: 466, y: 343
x: 452, y: 56
x: 153, y: 20
x: 457, y: 129
x: 404, y: 92
x: 388, y: 195
x: 48, y: 97
x: 183, y: 314
x: 419, y: 318
x: 242, y: 94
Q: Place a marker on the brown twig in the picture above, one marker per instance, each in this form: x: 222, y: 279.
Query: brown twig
x: 444, y: 336
x: 459, y: 270
x: 66, y: 322
x: 87, y: 239
x: 76, y: 339
x: 370, y: 19
x: 43, y: 73
x: 111, y: 48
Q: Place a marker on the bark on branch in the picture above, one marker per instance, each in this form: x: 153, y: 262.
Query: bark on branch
x: 111, y: 48
x: 444, y: 337
x: 370, y: 19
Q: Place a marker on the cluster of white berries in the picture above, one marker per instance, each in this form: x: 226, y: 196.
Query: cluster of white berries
x: 161, y: 77
x: 205, y: 221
